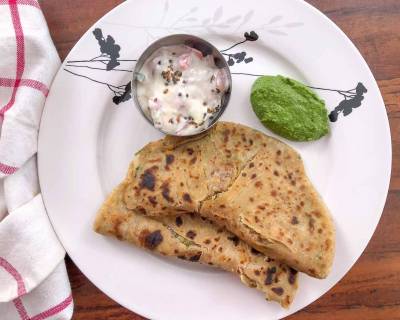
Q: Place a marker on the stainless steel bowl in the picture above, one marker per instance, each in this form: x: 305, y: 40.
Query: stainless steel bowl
x: 192, y: 41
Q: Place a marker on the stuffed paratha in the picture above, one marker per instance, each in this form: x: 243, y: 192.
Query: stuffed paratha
x: 252, y: 184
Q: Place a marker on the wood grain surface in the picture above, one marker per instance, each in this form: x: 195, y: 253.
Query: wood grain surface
x: 371, y: 290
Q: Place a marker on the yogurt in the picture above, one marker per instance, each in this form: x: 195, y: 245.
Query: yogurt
x: 181, y: 90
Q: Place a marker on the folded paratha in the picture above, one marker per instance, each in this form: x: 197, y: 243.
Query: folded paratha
x: 192, y: 238
x: 252, y: 184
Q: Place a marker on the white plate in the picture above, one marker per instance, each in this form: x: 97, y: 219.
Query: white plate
x: 86, y: 142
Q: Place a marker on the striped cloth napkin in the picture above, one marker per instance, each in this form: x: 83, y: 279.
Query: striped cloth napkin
x: 33, y: 280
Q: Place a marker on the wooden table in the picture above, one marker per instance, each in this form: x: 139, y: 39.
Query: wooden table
x: 371, y: 290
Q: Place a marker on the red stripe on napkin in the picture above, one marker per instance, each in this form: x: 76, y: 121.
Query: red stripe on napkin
x: 32, y: 3
x: 7, y: 169
x: 53, y: 310
x: 34, y: 84
x: 19, y: 35
x: 15, y: 274
x: 23, y: 314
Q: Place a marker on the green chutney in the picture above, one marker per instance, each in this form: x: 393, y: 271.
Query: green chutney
x: 289, y: 108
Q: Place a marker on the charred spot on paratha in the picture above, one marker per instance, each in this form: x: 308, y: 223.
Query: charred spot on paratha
x: 234, y: 239
x: 311, y: 223
x: 255, y: 252
x: 193, y: 160
x: 196, y: 257
x: 294, y: 220
x: 292, y: 275
x: 191, y: 234
x: 178, y: 221
x: 186, y: 197
x: 150, y: 240
x: 152, y: 200
x: 169, y: 159
x: 270, y: 276
x: 147, y: 179
x: 278, y: 290
x: 117, y: 223
x: 226, y: 134
x: 165, y: 192
x: 141, y: 210
x: 190, y: 151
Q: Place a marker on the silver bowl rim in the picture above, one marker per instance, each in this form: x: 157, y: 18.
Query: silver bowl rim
x: 156, y: 45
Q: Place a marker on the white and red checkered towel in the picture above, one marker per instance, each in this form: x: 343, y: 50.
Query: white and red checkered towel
x: 33, y: 280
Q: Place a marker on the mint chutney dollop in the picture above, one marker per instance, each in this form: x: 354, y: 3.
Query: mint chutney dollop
x: 289, y: 108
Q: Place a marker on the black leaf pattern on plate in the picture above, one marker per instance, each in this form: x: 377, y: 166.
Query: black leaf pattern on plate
x: 251, y: 36
x: 108, y: 47
x: 109, y: 57
x: 241, y: 56
x: 125, y: 96
x: 110, y: 53
x: 352, y: 99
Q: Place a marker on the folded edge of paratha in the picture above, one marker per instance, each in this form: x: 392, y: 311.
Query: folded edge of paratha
x: 192, y: 238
